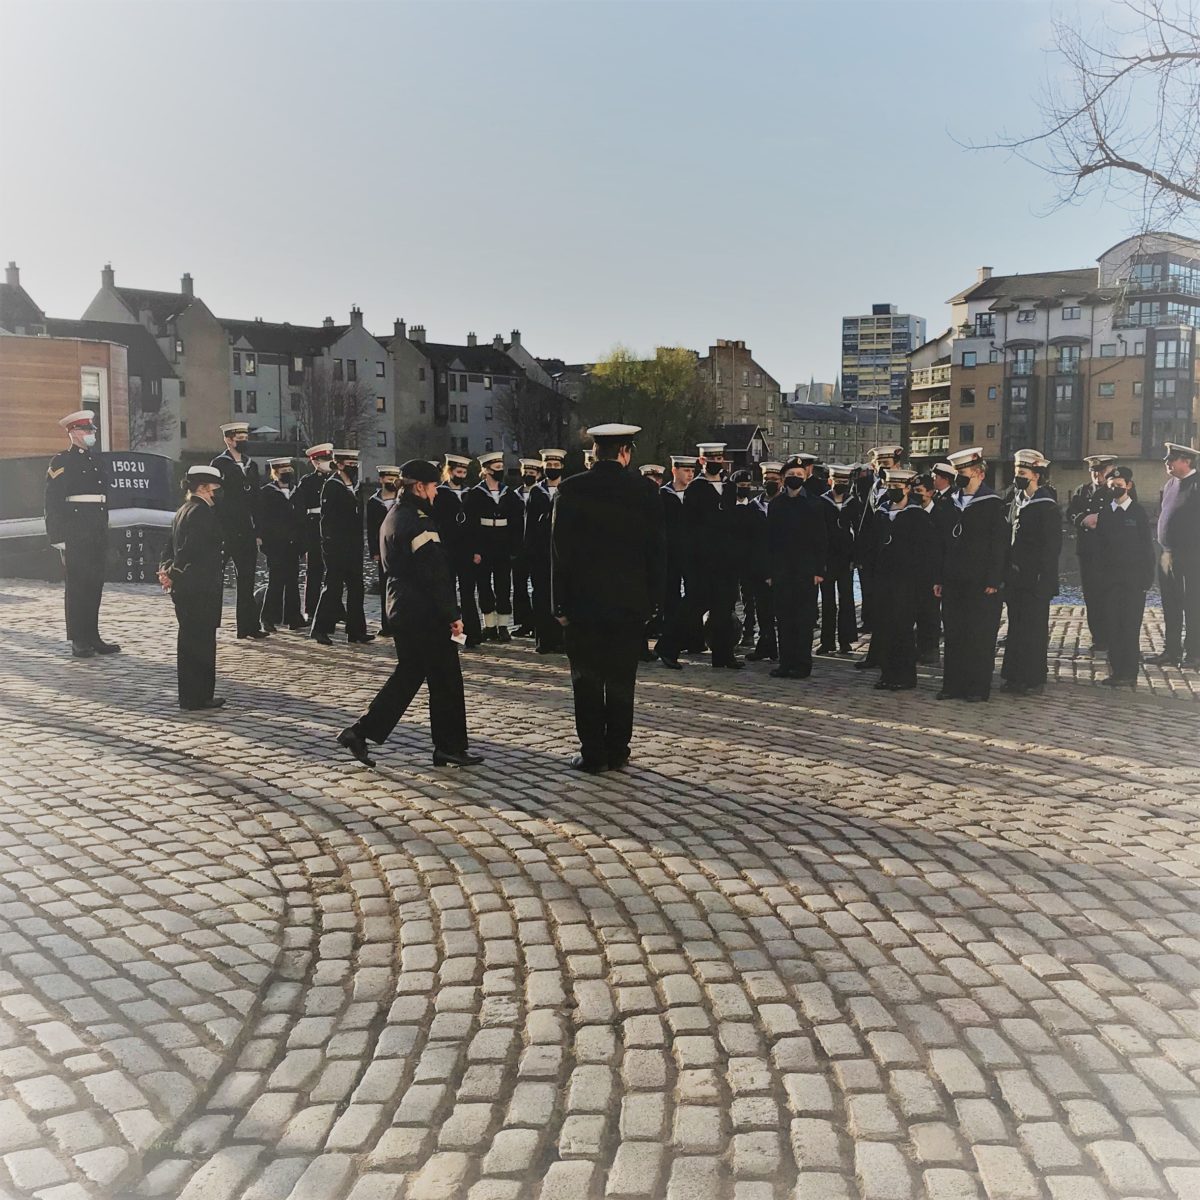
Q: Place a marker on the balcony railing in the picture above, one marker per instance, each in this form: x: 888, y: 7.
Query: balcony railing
x: 1168, y: 285
x: 931, y: 410
x: 930, y: 445
x: 926, y: 377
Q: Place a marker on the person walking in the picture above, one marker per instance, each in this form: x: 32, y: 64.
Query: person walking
x: 192, y: 571
x: 76, y: 508
x: 1125, y: 545
x: 237, y: 509
x: 424, y: 621
x: 1179, y: 560
x: 608, y: 559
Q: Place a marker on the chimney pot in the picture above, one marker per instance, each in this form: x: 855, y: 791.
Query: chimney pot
x: 185, y: 284
x: 417, y: 334
x: 985, y: 273
x: 355, y: 315
x: 12, y: 275
x: 328, y: 323
x: 516, y: 337
x: 498, y: 342
x: 399, y: 328
x: 472, y: 340
x: 108, y: 276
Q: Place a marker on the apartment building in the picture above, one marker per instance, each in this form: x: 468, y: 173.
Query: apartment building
x: 875, y: 350
x: 836, y: 435
x: 744, y: 393
x: 925, y: 428
x: 1087, y: 361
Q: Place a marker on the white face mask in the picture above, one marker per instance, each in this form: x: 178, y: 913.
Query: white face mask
x: 89, y: 440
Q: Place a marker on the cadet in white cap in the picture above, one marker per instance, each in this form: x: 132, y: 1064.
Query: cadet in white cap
x: 457, y: 537
x: 192, y: 570
x: 679, y: 560
x: 1179, y: 563
x: 607, y: 544
x: 496, y: 520
x: 843, y: 512
x: 539, y: 510
x: 76, y: 508
x: 237, y: 509
x: 1084, y: 503
x: 531, y: 470
x: 307, y: 501
x: 968, y: 577
x: 282, y: 532
x: 342, y: 549
x: 378, y: 505
x: 1031, y: 580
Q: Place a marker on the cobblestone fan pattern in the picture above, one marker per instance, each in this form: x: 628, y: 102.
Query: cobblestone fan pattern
x: 817, y: 942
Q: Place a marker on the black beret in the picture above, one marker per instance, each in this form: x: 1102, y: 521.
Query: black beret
x: 419, y: 470
x: 742, y: 477
x: 1124, y: 473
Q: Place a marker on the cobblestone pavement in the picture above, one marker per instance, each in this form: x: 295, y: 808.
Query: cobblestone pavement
x: 816, y: 942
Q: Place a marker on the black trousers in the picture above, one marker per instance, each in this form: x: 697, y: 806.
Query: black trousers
x: 493, y: 583
x: 1028, y: 638
x: 1095, y: 598
x: 243, y: 552
x: 929, y: 627
x: 866, y: 585
x: 750, y: 614
x: 341, y: 574
x: 895, y: 639
x: 314, y: 567
x: 423, y: 656
x: 1124, y: 607
x: 464, y: 580
x: 548, y: 632
x: 838, y: 623
x: 767, y: 645
x: 281, y: 601
x: 604, y: 660
x: 1179, y: 583
x: 795, y: 602
x: 84, y: 555
x: 381, y: 586
x: 195, y: 657
x: 971, y: 619
x: 707, y: 591
x: 522, y: 606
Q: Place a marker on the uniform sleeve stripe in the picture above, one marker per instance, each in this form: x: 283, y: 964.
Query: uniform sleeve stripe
x: 428, y: 536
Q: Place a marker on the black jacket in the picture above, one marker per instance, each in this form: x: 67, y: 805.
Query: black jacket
x: 376, y: 510
x: 675, y: 532
x: 419, y: 585
x: 306, y: 500
x: 279, y: 524
x: 237, y: 500
x: 1085, y: 500
x: 975, y: 549
x: 840, y: 526
x: 1179, y: 529
x: 797, y: 540
x: 709, y: 529
x: 750, y: 527
x: 194, y: 558
x: 539, y: 512
x: 75, y: 472
x: 495, y: 528
x: 1125, y: 545
x: 1036, y: 543
x: 905, y: 558
x: 341, y: 523
x: 451, y: 517
x: 608, y: 546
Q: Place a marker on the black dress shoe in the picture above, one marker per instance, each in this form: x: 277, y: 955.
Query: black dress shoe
x: 322, y: 639
x: 617, y: 761
x: 782, y: 673
x: 864, y: 665
x: 463, y: 759
x: 472, y: 642
x: 647, y: 655
x: 1162, y: 660
x: 356, y: 744
x: 824, y: 649
x: 105, y: 647
x: 734, y: 664
x: 1116, y: 681
x: 362, y: 641
x: 1190, y: 663
x: 295, y: 626
x: 672, y: 664
x: 82, y: 650
x: 214, y: 702
x: 503, y: 634
x: 268, y: 627
x: 256, y: 634
x: 579, y: 763
x: 522, y: 631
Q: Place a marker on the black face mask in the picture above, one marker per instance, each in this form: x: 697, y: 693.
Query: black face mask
x: 962, y: 481
x: 713, y: 468
x: 1119, y: 493
x: 529, y: 479
x: 351, y: 474
x: 895, y: 495
x: 286, y: 478
x: 793, y: 483
x: 553, y: 473
x: 839, y: 489
x: 498, y: 476
x: 771, y: 487
x: 744, y: 491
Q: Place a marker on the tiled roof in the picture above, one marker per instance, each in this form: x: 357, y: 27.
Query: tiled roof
x: 162, y: 306
x: 146, y: 358
x: 17, y: 308
x: 282, y: 337
x: 485, y: 360
x: 1038, y: 285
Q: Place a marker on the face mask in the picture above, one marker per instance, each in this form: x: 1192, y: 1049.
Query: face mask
x: 458, y: 480
x: 1023, y: 482
x: 240, y: 447
x: 961, y: 481
x: 529, y: 479
x: 351, y: 474
x: 1119, y: 491
x: 712, y: 468
x: 793, y: 483
x: 497, y: 475
x: 839, y: 489
x: 744, y: 491
x: 553, y: 473
x: 895, y: 495
x: 286, y: 477
x: 771, y: 487
x: 89, y: 440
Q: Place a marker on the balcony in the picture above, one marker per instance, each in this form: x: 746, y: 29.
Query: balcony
x: 931, y: 410
x: 930, y: 445
x: 927, y: 377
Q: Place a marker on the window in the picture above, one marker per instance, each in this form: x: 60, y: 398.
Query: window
x: 1026, y: 316
x: 1137, y: 388
x: 487, y: 445
x: 178, y: 346
x: 1104, y: 431
x: 966, y: 433
x: 984, y: 324
x: 298, y: 364
x: 251, y: 402
x: 1106, y: 389
x: 718, y: 379
x: 422, y: 406
x: 1070, y: 312
x: 237, y: 400
x: 295, y: 398
x: 183, y: 429
x: 993, y: 356
x: 1068, y: 360
x: 487, y: 382
x: 1139, y: 347
x: 1023, y: 361
x: 352, y: 370
x: 992, y: 393
x: 381, y: 404
x: 421, y: 374
x: 454, y: 412
x: 487, y: 412
x: 1164, y: 389
x: 1135, y: 429
x: 991, y: 431
x: 1108, y: 349
x: 801, y: 431
x: 251, y: 365
x: 787, y: 431
x: 380, y: 371
x: 182, y: 389
x: 462, y: 413
x: 381, y: 438
x: 966, y: 397
x: 969, y: 358
x: 237, y: 363
x: 745, y: 378
x: 1171, y: 352
x: 744, y: 402
x: 453, y: 382
x: 337, y: 368
x: 770, y: 404
x: 800, y: 447
x: 757, y: 379
x: 156, y: 387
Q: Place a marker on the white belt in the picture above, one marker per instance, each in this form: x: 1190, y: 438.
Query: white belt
x: 312, y: 511
x: 497, y: 521
x: 87, y: 499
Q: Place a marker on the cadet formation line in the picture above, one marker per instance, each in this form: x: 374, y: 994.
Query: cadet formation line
x: 614, y: 566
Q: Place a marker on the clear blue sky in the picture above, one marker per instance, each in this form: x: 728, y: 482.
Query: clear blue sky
x: 589, y: 172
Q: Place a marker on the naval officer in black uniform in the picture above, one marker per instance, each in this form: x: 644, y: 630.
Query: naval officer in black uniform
x: 423, y: 618
x: 77, y: 526
x: 606, y: 578
x: 379, y: 503
x: 538, y: 513
x: 281, y: 529
x: 1082, y: 506
x: 342, y: 550
x: 307, y: 500
x: 456, y: 534
x: 237, y: 508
